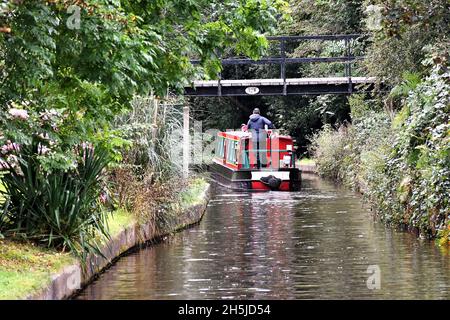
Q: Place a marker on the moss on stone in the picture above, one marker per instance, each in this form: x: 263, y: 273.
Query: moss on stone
x: 26, y: 268
x: 306, y: 161
x: 119, y: 220
x: 194, y: 193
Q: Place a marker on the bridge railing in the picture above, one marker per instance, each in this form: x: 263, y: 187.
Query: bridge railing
x: 283, y: 60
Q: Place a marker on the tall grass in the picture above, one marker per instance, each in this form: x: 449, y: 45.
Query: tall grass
x: 155, y: 128
x: 148, y: 179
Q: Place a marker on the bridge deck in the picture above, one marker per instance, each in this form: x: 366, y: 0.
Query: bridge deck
x: 277, y: 82
x: 337, y: 85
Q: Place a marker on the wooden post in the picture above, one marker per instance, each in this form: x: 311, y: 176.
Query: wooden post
x: 186, y: 142
x: 219, y: 85
x: 155, y: 119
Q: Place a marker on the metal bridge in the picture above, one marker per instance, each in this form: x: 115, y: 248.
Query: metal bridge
x: 345, y: 84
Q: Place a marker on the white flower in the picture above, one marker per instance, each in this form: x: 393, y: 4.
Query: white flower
x: 9, y: 147
x: 19, y: 113
x: 4, y: 149
x: 4, y: 165
x: 43, y: 149
x: 43, y: 136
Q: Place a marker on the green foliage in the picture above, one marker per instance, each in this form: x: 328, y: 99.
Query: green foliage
x: 410, y: 82
x: 325, y: 17
x: 422, y: 153
x: 328, y: 150
x: 120, y: 49
x: 59, y: 208
x: 143, y: 182
x: 152, y: 42
x: 46, y: 127
x: 63, y: 85
x: 337, y: 152
x: 405, y: 29
x: 403, y: 167
x: 360, y: 104
x: 397, y: 149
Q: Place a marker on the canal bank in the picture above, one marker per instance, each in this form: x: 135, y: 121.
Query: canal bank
x: 31, y: 272
x: 309, y: 167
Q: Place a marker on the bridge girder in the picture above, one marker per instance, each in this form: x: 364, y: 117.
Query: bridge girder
x: 278, y: 90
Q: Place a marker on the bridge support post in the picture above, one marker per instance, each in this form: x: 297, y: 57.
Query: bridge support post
x: 283, y: 66
x: 186, y: 142
x: 348, y: 64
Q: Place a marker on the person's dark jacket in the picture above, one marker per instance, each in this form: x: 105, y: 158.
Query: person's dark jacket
x: 258, y: 122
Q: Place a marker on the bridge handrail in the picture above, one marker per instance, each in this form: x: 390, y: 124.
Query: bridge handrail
x: 232, y: 61
x: 324, y: 37
x: 283, y: 60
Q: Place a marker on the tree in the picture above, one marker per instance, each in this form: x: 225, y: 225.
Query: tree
x: 68, y: 68
x: 404, y: 30
x: 88, y: 58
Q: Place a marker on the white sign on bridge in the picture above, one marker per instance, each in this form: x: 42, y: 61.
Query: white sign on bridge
x: 251, y: 90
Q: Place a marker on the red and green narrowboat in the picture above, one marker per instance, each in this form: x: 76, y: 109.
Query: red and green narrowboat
x: 236, y: 165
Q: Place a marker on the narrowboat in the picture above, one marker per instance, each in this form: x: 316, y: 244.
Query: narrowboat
x: 241, y: 163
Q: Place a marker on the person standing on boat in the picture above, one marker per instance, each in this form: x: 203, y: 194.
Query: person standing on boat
x: 258, y: 124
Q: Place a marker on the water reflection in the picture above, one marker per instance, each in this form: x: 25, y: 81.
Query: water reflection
x: 313, y: 244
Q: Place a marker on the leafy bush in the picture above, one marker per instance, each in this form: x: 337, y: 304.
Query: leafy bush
x: 329, y: 150
x: 421, y: 154
x: 58, y: 208
x: 338, y: 152
x: 143, y: 197
x: 405, y: 28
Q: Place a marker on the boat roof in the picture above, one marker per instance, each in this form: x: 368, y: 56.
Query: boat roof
x: 238, y: 133
x: 244, y: 134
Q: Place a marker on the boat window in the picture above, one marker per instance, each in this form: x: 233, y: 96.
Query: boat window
x: 245, y: 160
x: 244, y: 155
x: 220, y: 147
x: 231, y: 151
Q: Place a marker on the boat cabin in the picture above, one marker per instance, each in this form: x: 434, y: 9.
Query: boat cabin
x: 236, y: 150
x: 264, y: 164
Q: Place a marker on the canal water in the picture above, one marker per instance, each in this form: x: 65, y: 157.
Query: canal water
x: 318, y: 243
